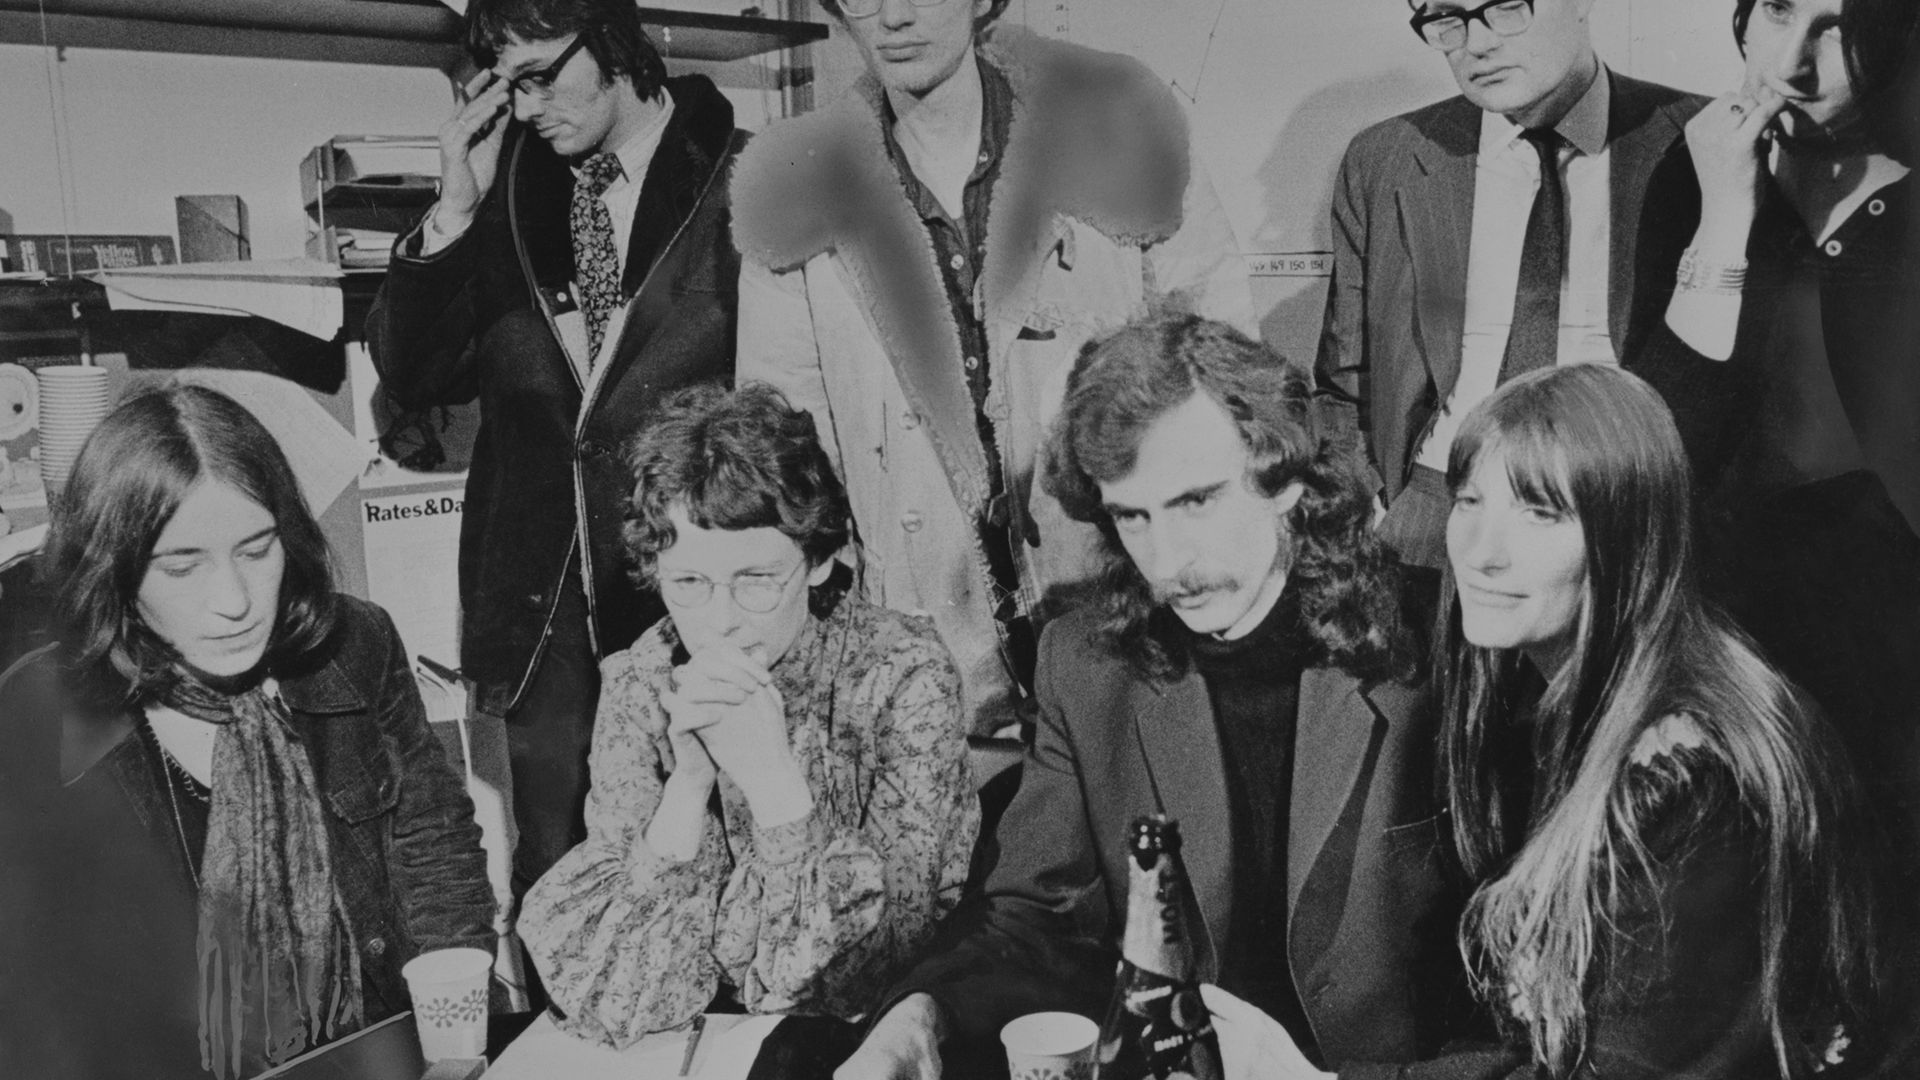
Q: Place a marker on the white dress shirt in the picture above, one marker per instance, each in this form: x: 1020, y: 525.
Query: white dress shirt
x: 1506, y: 179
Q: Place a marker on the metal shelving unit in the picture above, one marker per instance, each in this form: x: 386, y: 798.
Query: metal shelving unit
x: 407, y: 33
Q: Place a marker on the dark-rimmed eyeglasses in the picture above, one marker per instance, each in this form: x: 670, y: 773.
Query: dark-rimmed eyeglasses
x: 1447, y: 30
x: 539, y: 82
x: 860, y: 9
x: 758, y: 593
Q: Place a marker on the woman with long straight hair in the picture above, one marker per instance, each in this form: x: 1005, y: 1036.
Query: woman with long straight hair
x: 1656, y: 822
x: 1660, y: 840
x: 224, y: 822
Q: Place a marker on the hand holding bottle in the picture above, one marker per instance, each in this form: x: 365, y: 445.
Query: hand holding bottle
x: 1253, y: 1045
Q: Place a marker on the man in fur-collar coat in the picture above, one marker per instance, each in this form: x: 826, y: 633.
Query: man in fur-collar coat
x: 922, y: 260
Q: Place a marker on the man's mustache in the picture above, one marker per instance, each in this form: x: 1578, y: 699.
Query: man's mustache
x: 1191, y: 583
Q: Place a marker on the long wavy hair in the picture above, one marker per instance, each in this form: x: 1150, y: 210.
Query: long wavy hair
x: 127, y: 482
x: 1596, y: 443
x: 1345, y: 580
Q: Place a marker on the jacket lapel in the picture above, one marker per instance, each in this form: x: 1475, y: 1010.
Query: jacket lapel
x: 1336, y: 726
x: 1436, y: 211
x: 892, y: 266
x: 1639, y: 132
x: 1180, y: 752
x: 684, y: 171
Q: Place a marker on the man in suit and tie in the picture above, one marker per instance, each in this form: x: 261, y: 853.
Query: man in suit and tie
x: 576, y: 268
x: 1535, y: 219
x: 1242, y: 674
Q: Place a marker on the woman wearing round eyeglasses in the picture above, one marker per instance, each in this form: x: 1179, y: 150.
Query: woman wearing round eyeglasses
x: 829, y: 729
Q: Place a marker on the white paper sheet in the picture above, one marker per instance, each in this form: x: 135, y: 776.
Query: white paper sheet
x: 413, y: 548
x: 301, y: 293
x: 726, y: 1052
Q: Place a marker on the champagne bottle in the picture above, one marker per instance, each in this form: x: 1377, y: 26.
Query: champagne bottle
x: 1157, y: 1025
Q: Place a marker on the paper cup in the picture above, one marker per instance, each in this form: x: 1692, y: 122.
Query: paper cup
x: 449, y: 988
x: 1050, y: 1046
x: 73, y: 401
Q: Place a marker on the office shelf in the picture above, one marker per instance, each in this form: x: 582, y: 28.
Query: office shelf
x: 408, y: 33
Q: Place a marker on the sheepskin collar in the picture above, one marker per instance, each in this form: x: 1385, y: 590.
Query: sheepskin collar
x: 1094, y: 137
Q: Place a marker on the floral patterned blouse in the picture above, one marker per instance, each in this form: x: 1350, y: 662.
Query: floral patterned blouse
x: 807, y: 917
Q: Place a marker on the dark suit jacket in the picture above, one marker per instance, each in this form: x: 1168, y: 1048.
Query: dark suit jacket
x: 1371, y: 904
x: 475, y: 319
x: 1402, y: 224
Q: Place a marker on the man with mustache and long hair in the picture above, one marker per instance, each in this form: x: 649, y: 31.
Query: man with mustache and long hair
x: 1242, y: 670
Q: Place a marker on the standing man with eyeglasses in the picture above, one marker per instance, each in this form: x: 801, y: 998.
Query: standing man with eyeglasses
x: 1534, y: 220
x: 923, y: 259
x: 576, y: 268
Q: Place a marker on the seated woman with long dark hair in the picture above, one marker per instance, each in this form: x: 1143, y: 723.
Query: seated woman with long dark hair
x: 226, y: 824
x: 1658, y: 830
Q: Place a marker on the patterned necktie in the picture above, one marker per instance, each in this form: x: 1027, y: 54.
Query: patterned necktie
x: 1534, y: 341
x: 596, y: 261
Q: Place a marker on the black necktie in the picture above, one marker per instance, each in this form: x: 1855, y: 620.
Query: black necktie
x: 596, y: 261
x: 1534, y: 341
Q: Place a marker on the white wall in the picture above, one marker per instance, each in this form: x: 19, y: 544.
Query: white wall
x: 1281, y: 87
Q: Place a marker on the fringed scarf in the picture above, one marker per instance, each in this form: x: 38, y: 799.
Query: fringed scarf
x: 274, y: 938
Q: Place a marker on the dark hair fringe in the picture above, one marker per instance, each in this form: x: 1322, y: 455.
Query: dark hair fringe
x: 1880, y: 40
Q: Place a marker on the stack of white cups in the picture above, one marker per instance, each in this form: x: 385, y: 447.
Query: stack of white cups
x: 73, y: 401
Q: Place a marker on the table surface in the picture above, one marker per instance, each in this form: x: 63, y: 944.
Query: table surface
x: 726, y: 1051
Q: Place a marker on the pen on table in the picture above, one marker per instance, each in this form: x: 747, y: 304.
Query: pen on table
x: 693, y: 1043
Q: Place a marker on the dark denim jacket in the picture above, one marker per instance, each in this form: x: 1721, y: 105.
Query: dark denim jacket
x: 97, y: 906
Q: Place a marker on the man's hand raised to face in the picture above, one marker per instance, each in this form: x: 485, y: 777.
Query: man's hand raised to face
x: 470, y: 150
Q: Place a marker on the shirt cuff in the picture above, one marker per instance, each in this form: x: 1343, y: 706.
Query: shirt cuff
x: 429, y: 239
x: 781, y: 844
x: 653, y: 871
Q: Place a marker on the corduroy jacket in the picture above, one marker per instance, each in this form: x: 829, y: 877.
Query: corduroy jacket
x: 98, y: 914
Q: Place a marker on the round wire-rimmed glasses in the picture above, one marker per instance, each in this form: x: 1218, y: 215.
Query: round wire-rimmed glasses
x: 757, y: 593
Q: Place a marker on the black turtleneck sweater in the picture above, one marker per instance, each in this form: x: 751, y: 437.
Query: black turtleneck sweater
x: 1254, y: 684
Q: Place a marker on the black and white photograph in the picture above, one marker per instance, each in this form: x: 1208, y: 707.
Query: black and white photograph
x: 959, y: 539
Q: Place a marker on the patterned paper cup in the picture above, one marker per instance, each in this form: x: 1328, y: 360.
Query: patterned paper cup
x: 449, y: 988
x: 1050, y: 1046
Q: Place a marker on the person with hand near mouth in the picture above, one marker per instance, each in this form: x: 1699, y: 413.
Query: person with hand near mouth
x: 1530, y: 222
x: 781, y: 805
x: 575, y: 269
x: 1803, y: 277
